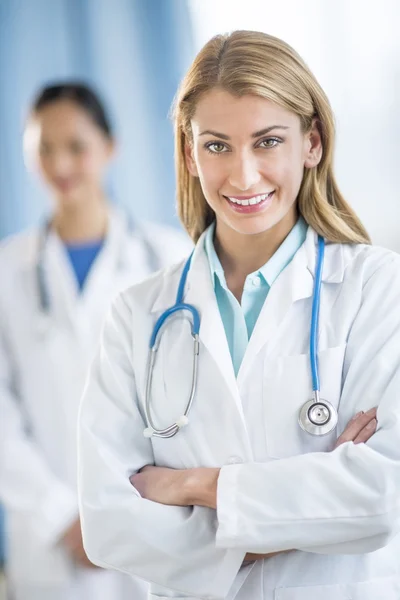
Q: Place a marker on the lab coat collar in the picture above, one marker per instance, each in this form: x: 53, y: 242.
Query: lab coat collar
x: 333, y: 272
x: 118, y: 225
x: 334, y: 263
x: 67, y: 302
x: 169, y: 287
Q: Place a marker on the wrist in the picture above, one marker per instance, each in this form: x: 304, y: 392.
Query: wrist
x: 200, y: 488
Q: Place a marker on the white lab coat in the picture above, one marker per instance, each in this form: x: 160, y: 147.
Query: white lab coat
x: 43, y: 366
x: 279, y: 488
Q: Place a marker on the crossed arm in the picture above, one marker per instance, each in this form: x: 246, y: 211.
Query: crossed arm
x: 198, y: 487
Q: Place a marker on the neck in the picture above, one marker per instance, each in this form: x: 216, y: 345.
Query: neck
x: 242, y: 254
x: 82, y: 223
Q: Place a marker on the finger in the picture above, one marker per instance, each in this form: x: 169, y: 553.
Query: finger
x: 147, y: 468
x: 355, y: 426
x: 366, y: 433
x: 358, y: 422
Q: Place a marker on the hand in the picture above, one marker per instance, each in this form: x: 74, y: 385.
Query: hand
x: 197, y: 486
x: 72, y: 540
x: 359, y: 429
x: 162, y: 485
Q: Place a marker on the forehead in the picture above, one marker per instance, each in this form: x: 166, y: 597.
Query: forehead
x: 63, y: 118
x: 220, y: 111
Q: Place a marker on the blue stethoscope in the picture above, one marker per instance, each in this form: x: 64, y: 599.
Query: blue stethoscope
x: 153, y: 261
x: 316, y: 417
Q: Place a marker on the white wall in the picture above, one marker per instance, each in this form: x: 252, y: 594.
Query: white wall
x: 353, y: 47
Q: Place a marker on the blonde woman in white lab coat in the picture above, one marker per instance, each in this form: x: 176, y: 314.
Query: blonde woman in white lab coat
x: 58, y: 282
x: 245, y: 501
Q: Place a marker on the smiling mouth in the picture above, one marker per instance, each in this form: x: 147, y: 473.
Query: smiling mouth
x: 250, y: 201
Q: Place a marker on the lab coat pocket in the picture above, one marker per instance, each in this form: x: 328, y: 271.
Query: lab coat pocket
x: 287, y: 385
x: 376, y: 589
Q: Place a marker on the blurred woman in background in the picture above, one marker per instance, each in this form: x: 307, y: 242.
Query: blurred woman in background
x: 57, y: 283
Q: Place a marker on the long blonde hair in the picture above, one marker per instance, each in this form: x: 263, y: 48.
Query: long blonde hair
x: 250, y: 62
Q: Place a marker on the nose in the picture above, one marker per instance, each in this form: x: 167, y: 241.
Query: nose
x: 244, y: 172
x: 59, y: 164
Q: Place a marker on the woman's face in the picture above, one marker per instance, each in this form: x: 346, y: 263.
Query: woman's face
x: 250, y: 155
x: 70, y: 150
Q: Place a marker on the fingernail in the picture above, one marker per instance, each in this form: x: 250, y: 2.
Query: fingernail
x: 372, y: 424
x: 371, y: 411
x: 357, y: 415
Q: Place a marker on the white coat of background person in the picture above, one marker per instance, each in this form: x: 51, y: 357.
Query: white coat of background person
x: 242, y: 502
x: 50, y: 320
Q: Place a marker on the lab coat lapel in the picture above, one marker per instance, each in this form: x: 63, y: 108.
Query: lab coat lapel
x: 293, y: 284
x: 67, y: 302
x: 108, y: 265
x: 199, y: 292
x: 60, y: 281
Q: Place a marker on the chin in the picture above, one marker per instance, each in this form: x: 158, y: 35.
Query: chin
x: 254, y: 230
x: 70, y: 199
x: 255, y: 225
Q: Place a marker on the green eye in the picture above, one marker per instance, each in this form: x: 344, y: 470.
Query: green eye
x: 269, y: 142
x: 216, y: 147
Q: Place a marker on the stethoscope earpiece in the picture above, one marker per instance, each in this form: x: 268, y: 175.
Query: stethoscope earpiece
x: 182, y: 421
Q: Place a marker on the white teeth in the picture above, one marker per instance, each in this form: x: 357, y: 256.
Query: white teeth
x: 254, y: 200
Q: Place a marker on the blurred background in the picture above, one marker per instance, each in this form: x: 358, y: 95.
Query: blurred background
x: 134, y: 52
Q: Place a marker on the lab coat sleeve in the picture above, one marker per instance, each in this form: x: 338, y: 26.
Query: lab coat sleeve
x: 345, y: 501
x: 170, y: 546
x: 27, y: 484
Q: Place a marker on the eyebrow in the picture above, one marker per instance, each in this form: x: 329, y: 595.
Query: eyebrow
x: 257, y: 134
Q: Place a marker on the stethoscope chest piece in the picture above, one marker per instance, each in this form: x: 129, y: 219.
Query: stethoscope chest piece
x: 318, y: 418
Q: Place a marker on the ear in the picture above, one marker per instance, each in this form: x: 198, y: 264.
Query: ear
x: 190, y: 162
x: 313, y: 146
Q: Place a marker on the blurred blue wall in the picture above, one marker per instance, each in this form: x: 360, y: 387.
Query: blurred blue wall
x: 134, y: 52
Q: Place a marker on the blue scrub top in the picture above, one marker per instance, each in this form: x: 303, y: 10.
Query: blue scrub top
x: 239, y: 319
x: 82, y: 257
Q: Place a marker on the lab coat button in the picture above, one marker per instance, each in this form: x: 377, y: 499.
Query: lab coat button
x: 256, y: 281
x: 235, y: 460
